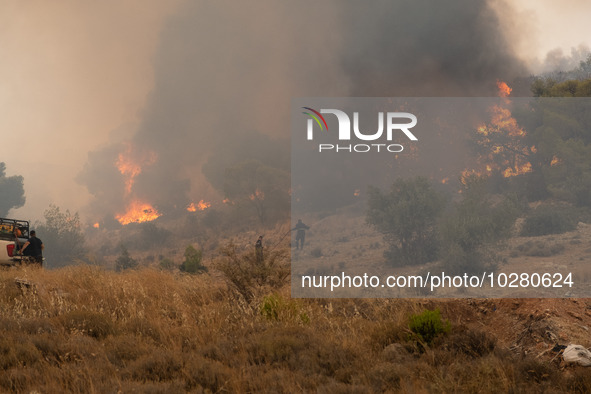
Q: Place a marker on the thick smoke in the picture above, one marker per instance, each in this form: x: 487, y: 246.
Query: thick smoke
x: 225, y: 70
x: 426, y: 48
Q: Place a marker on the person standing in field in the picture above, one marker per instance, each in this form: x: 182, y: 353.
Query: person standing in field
x: 259, y: 249
x: 300, y: 229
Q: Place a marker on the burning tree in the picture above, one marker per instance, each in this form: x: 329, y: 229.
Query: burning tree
x: 501, y: 144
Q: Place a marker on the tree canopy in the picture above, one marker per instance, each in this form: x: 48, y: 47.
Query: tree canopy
x: 12, y: 191
x: 63, y: 238
x: 407, y: 216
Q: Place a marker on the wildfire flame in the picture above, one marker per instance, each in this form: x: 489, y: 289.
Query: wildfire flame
x: 517, y: 170
x: 466, y: 174
x: 96, y: 225
x: 504, y: 89
x: 201, y: 206
x: 138, y: 212
x: 357, y: 192
x: 555, y: 161
x: 257, y: 195
x: 130, y: 162
x: 502, y: 121
x: 503, y: 139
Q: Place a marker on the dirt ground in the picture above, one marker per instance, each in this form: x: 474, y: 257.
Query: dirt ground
x: 343, y: 242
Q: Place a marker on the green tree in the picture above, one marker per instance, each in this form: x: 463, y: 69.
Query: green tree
x: 471, y: 231
x: 12, y: 192
x: 125, y: 261
x: 559, y: 129
x: 62, y: 236
x: 406, y: 216
x: 192, y: 263
x: 570, y: 88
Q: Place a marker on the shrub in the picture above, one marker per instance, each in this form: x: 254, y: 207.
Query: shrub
x: 166, y: 264
x: 316, y: 252
x: 539, y: 249
x: 386, y: 334
x: 211, y: 375
x: 406, y: 216
x: 471, y: 343
x: 246, y: 273
x: 275, y: 307
x: 125, y: 261
x: 122, y: 349
x: 472, y: 230
x: 158, y: 366
x: 549, y: 220
x: 94, y: 324
x: 62, y: 234
x: 428, y: 325
x: 192, y: 263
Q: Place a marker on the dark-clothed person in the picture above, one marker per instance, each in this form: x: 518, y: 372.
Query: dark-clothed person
x: 34, y: 248
x: 259, y: 249
x: 300, y: 229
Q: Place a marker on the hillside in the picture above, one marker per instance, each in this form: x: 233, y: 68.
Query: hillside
x: 84, y: 329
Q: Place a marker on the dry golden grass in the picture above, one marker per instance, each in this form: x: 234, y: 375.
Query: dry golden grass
x: 87, y: 330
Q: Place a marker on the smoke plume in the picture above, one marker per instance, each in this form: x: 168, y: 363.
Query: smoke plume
x: 225, y: 70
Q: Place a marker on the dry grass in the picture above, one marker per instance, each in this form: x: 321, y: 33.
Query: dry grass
x: 83, y: 329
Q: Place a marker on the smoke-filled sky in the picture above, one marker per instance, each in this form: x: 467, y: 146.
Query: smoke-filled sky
x: 182, y: 81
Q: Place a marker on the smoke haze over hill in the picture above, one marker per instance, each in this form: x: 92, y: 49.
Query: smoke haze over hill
x: 183, y: 82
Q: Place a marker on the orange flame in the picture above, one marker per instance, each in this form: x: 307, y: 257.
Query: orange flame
x: 503, y: 120
x: 555, y: 161
x: 504, y: 89
x: 201, y: 206
x: 96, y: 225
x: 130, y: 162
x: 503, y: 139
x: 357, y: 192
x: 466, y: 174
x: 517, y: 170
x: 257, y: 195
x: 138, y: 212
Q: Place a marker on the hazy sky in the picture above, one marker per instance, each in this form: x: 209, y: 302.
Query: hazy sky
x: 76, y: 77
x: 73, y: 75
